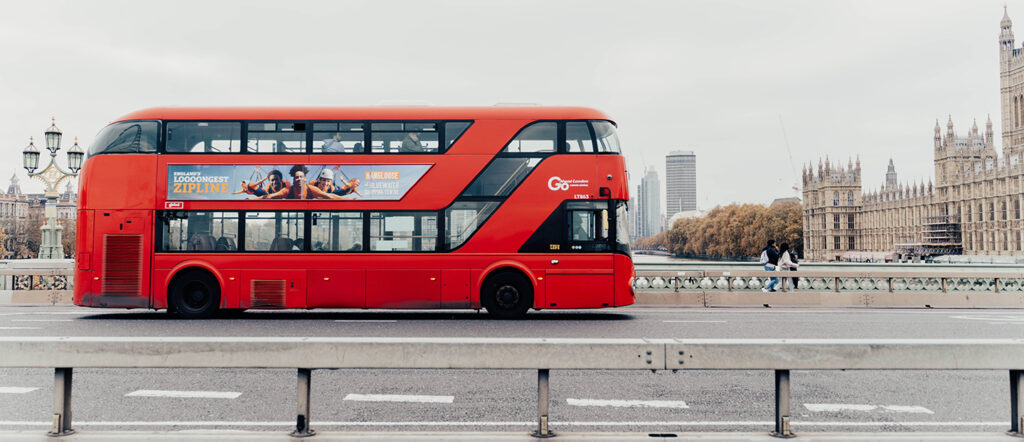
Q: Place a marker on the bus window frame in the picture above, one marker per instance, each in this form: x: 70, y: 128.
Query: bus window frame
x: 160, y: 127
x: 441, y: 126
x: 245, y: 136
x: 162, y: 147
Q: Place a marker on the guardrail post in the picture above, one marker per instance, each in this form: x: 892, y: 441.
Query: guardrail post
x: 890, y: 284
x: 543, y: 400
x: 943, y: 280
x: 996, y: 280
x: 782, y: 405
x: 1016, y: 403
x: 302, y: 419
x: 837, y: 284
x: 61, y: 402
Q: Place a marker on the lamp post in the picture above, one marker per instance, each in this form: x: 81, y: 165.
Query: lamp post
x: 52, y: 175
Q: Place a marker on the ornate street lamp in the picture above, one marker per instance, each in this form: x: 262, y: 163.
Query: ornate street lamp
x: 52, y: 175
x: 75, y: 156
x: 31, y: 155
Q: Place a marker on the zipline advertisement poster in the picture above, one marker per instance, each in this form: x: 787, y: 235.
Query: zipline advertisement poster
x: 320, y: 181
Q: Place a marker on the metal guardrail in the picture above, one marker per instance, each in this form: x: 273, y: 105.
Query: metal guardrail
x: 543, y: 355
x: 821, y: 280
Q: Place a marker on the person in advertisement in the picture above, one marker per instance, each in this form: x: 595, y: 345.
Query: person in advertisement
x: 299, y: 189
x: 275, y: 183
x: 347, y: 187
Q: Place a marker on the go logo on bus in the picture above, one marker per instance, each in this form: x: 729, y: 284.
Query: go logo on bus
x: 556, y: 183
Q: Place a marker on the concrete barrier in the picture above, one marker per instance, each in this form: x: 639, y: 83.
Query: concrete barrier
x: 306, y: 354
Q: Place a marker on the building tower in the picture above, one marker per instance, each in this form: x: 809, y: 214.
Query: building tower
x: 14, y: 188
x: 1011, y: 94
x: 890, y: 176
x: 650, y: 204
x: 680, y: 182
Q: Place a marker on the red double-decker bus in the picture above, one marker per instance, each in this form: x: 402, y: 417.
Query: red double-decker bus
x: 200, y: 210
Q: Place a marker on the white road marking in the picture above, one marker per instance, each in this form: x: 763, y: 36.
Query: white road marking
x: 625, y: 403
x: 998, y: 424
x: 835, y: 408
x: 185, y: 394
x: 42, y: 320
x: 906, y: 409
x: 44, y: 313
x: 17, y: 390
x: 20, y: 328
x: 993, y: 318
x: 399, y: 398
x: 365, y: 320
x: 677, y: 321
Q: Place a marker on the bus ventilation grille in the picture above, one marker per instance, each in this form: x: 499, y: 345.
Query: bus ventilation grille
x: 268, y: 293
x: 122, y: 265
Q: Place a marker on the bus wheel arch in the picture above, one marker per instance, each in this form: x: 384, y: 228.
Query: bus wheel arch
x: 507, y: 292
x: 194, y: 292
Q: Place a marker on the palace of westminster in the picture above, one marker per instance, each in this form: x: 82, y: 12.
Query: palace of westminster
x: 973, y: 207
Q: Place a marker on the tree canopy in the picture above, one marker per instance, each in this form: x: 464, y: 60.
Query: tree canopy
x: 733, y: 231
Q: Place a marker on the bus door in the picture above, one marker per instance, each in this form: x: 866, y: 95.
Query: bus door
x: 125, y: 252
x: 583, y: 277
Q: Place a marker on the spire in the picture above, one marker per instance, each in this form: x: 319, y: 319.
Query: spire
x: 890, y: 175
x: 1006, y: 34
x: 974, y: 128
x: 988, y: 132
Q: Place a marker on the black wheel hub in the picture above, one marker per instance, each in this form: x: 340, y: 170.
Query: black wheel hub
x: 197, y: 295
x: 508, y: 297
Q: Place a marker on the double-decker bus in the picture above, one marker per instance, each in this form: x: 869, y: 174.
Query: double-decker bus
x: 200, y: 210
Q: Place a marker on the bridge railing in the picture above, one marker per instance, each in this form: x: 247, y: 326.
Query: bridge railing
x: 308, y: 354
x: 36, y: 285
x: 837, y: 281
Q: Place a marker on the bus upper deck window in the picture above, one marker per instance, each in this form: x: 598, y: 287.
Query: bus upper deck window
x: 607, y: 140
x: 535, y: 138
x: 203, y: 137
x: 126, y: 137
x: 277, y: 137
x: 577, y: 138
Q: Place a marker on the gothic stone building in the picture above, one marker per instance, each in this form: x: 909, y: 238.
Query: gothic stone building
x: 973, y: 207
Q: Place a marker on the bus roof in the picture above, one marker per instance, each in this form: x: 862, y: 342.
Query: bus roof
x: 368, y: 113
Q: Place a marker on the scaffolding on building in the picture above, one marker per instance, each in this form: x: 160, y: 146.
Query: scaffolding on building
x: 941, y: 236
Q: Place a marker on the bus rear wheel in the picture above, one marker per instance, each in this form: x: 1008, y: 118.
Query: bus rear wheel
x: 194, y: 294
x: 507, y: 296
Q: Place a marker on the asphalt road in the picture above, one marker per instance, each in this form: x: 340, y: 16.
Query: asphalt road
x: 489, y: 400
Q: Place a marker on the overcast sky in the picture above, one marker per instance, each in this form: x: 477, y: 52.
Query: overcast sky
x: 846, y: 77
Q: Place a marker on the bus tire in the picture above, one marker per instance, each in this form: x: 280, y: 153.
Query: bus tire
x: 194, y: 294
x: 507, y: 295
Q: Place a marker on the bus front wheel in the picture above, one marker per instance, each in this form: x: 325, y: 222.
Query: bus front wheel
x: 507, y: 295
x: 194, y: 294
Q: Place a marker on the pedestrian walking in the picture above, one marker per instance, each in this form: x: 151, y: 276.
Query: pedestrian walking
x: 770, y: 259
x: 796, y: 260
x: 785, y: 263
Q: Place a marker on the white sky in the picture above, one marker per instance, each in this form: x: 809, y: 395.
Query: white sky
x: 846, y: 77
